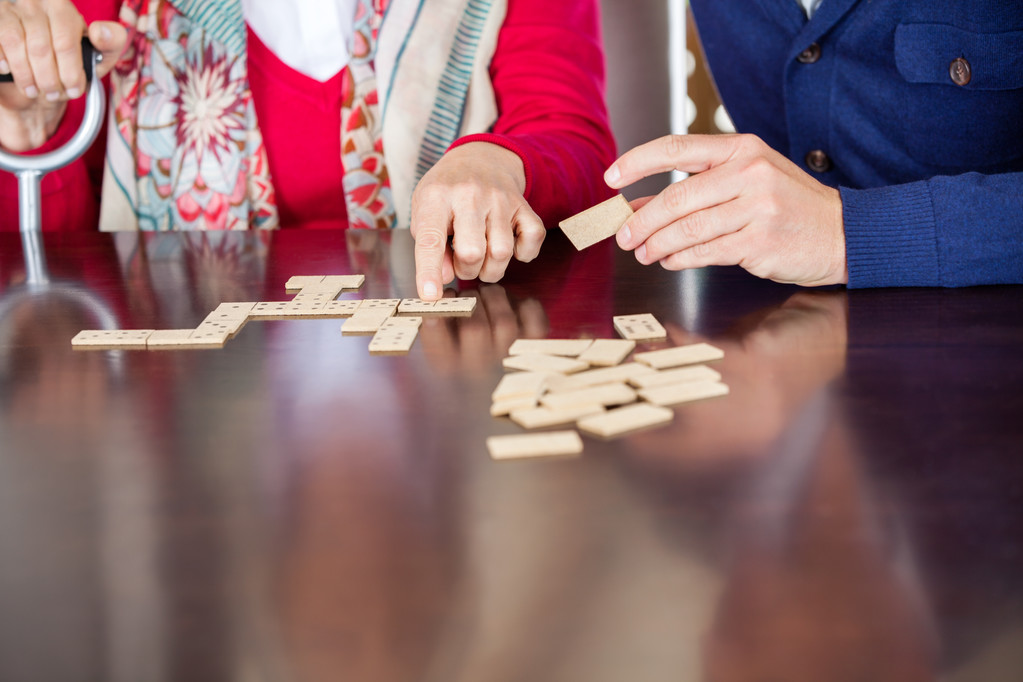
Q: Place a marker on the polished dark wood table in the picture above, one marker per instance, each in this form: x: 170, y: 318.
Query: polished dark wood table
x: 291, y: 508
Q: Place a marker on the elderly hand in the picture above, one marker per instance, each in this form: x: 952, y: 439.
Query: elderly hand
x: 475, y: 195
x: 745, y: 205
x: 40, y: 46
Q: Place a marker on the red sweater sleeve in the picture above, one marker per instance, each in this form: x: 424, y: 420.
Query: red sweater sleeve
x: 70, y: 196
x: 548, y: 76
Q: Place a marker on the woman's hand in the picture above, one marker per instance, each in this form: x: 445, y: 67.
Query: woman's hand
x: 40, y: 46
x: 474, y: 194
x: 745, y: 205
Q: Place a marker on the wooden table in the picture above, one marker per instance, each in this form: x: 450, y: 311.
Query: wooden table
x: 291, y: 508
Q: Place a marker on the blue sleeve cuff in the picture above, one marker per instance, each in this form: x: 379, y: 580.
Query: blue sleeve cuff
x: 890, y: 236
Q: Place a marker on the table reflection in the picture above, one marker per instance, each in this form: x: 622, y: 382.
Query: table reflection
x: 292, y: 508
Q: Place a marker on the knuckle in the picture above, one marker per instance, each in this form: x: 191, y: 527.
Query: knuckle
x: 676, y: 195
x: 534, y: 236
x: 493, y: 196
x: 748, y: 144
x: 10, y: 38
x: 704, y: 252
x: 429, y: 239
x: 692, y: 228
x: 771, y: 207
x: 430, y: 193
x: 38, y: 47
x: 469, y: 254
x: 675, y: 146
x: 500, y: 251
x: 64, y: 45
x: 760, y: 167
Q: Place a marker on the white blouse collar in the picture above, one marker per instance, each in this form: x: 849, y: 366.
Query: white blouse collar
x: 314, y: 37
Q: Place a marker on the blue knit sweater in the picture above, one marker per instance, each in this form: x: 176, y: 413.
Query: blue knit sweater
x: 930, y: 170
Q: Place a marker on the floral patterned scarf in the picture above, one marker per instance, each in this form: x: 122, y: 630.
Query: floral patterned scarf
x: 184, y: 148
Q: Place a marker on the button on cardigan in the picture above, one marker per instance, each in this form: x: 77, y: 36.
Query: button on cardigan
x: 929, y: 162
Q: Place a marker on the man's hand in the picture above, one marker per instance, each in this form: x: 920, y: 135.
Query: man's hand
x: 475, y: 195
x: 40, y: 46
x: 745, y: 204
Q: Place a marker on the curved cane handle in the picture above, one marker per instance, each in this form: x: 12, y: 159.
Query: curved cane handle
x: 95, y: 105
x: 31, y: 169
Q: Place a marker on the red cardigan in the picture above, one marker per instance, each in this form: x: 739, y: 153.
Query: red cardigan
x: 548, y: 76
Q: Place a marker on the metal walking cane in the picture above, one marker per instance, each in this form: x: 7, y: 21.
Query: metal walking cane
x: 31, y: 169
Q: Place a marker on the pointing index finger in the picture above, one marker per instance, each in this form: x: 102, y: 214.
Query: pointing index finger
x: 431, y: 235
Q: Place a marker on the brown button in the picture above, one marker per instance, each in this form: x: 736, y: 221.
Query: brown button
x: 811, y: 54
x: 818, y: 161
x: 960, y: 71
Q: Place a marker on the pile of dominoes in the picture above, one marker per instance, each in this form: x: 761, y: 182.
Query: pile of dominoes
x: 586, y: 382
x: 393, y: 323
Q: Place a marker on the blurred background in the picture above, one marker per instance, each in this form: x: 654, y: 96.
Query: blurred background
x: 637, y: 35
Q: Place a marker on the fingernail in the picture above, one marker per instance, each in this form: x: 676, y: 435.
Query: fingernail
x: 641, y: 253
x: 52, y: 96
x: 73, y: 92
x: 430, y: 290
x: 5, y: 68
x: 624, y: 236
x: 105, y: 33
x: 612, y: 176
x: 31, y: 92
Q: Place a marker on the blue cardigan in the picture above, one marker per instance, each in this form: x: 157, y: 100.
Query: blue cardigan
x: 930, y: 168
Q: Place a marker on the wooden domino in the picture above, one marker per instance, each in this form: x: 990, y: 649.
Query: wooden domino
x: 675, y: 376
x: 388, y: 304
x: 541, y: 417
x: 309, y: 302
x: 232, y: 311
x: 343, y: 282
x: 680, y: 355
x: 395, y: 336
x: 269, y: 310
x: 366, y: 320
x: 603, y: 375
x: 500, y: 408
x: 544, y: 363
x: 550, y: 443
x: 520, y: 385
x: 605, y: 394
x: 596, y: 223
x: 111, y: 339
x: 675, y: 394
x: 607, y: 352
x: 416, y: 306
x: 231, y: 315
x: 625, y: 420
x: 168, y: 338
x: 212, y: 334
x: 456, y: 305
x: 342, y: 308
x: 299, y: 282
x: 337, y: 282
x: 453, y: 306
x: 567, y: 347
x: 642, y: 327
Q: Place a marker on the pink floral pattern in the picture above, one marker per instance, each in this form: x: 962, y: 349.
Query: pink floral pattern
x: 185, y: 144
x: 367, y: 186
x: 183, y: 107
